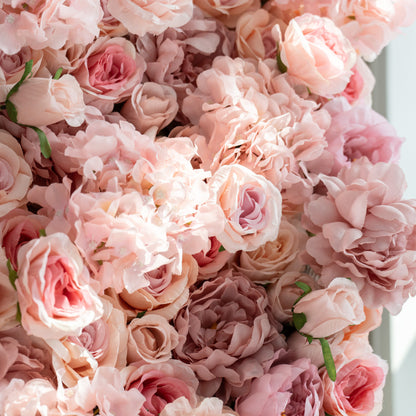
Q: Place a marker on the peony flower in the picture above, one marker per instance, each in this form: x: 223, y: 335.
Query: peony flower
x: 364, y: 231
x: 293, y: 389
x: 54, y: 295
x: 251, y: 205
x: 211, y: 406
x: 15, y: 174
x: 56, y: 100
x: 317, y: 53
x: 151, y: 339
x: 332, y: 309
x: 226, y: 335
x: 154, y: 17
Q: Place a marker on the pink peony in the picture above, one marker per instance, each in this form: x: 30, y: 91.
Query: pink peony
x: 226, y: 335
x: 364, y: 231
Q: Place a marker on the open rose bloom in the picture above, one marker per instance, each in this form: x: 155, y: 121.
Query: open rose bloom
x: 200, y: 213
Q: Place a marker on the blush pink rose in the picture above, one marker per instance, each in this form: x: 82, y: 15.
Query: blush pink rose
x: 209, y: 406
x: 227, y: 335
x: 293, y: 389
x: 317, y: 53
x: 54, y: 295
x: 332, y: 309
x: 56, y: 100
x: 8, y: 299
x: 15, y: 174
x: 151, y: 105
x: 251, y: 205
x: 154, y: 16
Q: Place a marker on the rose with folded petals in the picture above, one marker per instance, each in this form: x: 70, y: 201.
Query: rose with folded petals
x: 332, y: 309
x: 210, y: 406
x: 160, y: 384
x: 317, y: 53
x: 252, y: 207
x: 150, y: 338
x: 227, y: 335
x: 15, y: 174
x: 154, y: 16
x: 108, y: 71
x: 55, y: 100
x: 109, y: 25
x: 102, y: 343
x: 293, y: 389
x: 271, y: 260
x: 54, y: 294
x: 151, y: 105
x: 365, y: 231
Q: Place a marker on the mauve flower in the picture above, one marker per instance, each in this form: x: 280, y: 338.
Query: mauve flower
x: 226, y: 335
x: 211, y: 406
x: 293, y: 389
x: 8, y: 298
x: 54, y: 294
x: 317, y: 53
x: 160, y: 384
x: 364, y: 231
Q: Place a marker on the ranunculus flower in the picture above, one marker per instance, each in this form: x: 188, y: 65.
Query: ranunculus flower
x: 160, y: 384
x: 227, y: 335
x: 317, y: 53
x: 151, y: 105
x: 272, y: 259
x: 210, y: 406
x: 53, y: 288
x: 154, y: 16
x: 15, y: 174
x: 365, y: 231
x: 151, y: 338
x: 293, y: 389
x: 251, y: 205
x: 332, y: 309
x: 56, y: 100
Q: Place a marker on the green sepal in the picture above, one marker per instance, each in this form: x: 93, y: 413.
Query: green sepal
x: 280, y: 64
x: 309, y: 338
x: 305, y: 287
x: 27, y: 71
x: 18, y: 313
x: 12, y: 274
x: 58, y: 73
x: 141, y: 314
x: 45, y: 147
x: 42, y: 232
x: 221, y: 249
x: 11, y: 111
x: 328, y: 359
x: 299, y: 320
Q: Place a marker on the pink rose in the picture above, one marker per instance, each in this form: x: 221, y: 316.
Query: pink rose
x: 293, y: 389
x: 109, y: 25
x: 160, y: 384
x: 56, y: 100
x: 8, y: 298
x: 251, y: 205
x: 211, y: 406
x: 108, y: 71
x: 154, y: 17
x: 227, y: 335
x: 54, y: 295
x: 332, y: 309
x: 317, y: 53
x: 15, y: 174
x: 151, y: 105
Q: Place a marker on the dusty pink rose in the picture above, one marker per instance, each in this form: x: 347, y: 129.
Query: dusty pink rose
x: 8, y: 299
x: 274, y: 258
x: 15, y: 174
x: 332, y: 309
x: 53, y: 291
x: 254, y: 35
x: 108, y: 71
x: 56, y: 100
x: 226, y: 335
x: 293, y: 389
x: 154, y: 16
x: 102, y: 343
x: 364, y: 231
x: 151, y: 338
x: 251, y: 205
x: 151, y: 105
x: 211, y: 406
x: 160, y: 384
x: 358, y: 389
x: 109, y: 25
x: 317, y: 53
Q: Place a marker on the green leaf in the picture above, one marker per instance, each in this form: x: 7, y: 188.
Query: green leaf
x: 282, y: 67
x: 221, y: 249
x: 42, y: 232
x: 310, y: 234
x: 141, y: 314
x: 101, y: 245
x: 309, y: 338
x: 328, y: 359
x: 18, y: 313
x: 15, y: 88
x: 11, y: 111
x: 299, y: 319
x: 12, y: 274
x: 45, y: 147
x: 305, y: 287
x: 58, y: 73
